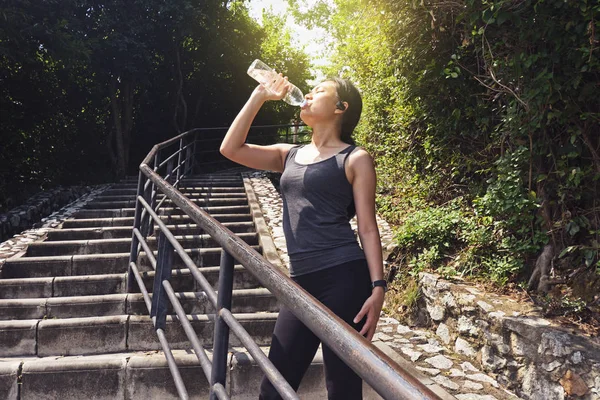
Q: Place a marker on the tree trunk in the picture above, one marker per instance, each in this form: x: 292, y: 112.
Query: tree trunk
x: 121, y: 100
x: 179, y: 120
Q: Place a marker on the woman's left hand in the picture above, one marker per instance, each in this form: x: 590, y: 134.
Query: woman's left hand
x: 371, y: 309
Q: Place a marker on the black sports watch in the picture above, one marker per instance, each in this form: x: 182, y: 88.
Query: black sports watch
x: 382, y: 283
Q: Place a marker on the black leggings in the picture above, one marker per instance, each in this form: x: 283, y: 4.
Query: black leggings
x: 343, y: 289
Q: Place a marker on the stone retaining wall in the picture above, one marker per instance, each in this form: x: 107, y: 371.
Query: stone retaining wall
x: 37, y: 207
x: 528, y: 354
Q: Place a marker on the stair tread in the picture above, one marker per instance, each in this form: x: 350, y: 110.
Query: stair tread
x: 76, y: 362
x: 151, y: 239
x: 98, y: 255
x: 111, y: 296
x: 111, y: 319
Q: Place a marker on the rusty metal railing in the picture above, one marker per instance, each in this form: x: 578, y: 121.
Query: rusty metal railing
x: 385, y: 376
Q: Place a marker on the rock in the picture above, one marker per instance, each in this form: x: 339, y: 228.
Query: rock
x: 402, y: 329
x: 519, y: 346
x: 443, y: 333
x: 557, y: 344
x: 485, y: 306
x: 455, y: 372
x: 418, y: 339
x: 483, y: 378
x: 387, y: 329
x: 445, y: 382
x: 551, y: 366
x: 417, y: 332
x: 497, y: 342
x: 470, y: 385
x: 439, y: 362
x: 436, y: 312
x: 573, y: 384
x: 431, y: 285
x: 388, y: 321
x: 465, y: 299
x: 497, y: 314
x: 430, y: 371
x: 473, y: 396
x: 467, y: 366
x: 14, y: 220
x: 461, y: 346
x: 382, y: 336
x: 448, y: 300
x: 490, y: 361
x: 536, y: 387
x: 414, y: 355
x: 466, y: 326
x: 531, y: 328
x: 576, y: 358
x: 430, y: 348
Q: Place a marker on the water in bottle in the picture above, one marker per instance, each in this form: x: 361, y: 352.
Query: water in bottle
x: 266, y: 76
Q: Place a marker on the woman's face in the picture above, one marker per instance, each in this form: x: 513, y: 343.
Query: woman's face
x: 320, y: 103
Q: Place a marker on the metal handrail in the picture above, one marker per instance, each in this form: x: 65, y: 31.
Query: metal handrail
x: 385, y: 376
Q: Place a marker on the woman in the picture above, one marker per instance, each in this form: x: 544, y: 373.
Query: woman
x: 323, y: 184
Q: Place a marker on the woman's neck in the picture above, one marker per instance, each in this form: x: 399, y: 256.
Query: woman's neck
x: 327, y: 135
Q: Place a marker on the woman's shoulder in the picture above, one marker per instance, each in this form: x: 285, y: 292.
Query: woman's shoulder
x: 359, y: 160
x: 359, y: 152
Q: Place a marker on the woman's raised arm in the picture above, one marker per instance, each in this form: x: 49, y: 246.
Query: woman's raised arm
x: 234, y: 144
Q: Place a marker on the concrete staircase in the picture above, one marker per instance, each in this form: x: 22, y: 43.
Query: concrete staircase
x: 69, y: 329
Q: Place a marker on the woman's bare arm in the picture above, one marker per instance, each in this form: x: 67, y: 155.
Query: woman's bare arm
x: 260, y: 157
x: 364, y: 179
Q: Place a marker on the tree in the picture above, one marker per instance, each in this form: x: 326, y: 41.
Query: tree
x: 88, y: 86
x: 484, y: 110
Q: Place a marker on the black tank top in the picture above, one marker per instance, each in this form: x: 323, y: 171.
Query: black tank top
x: 318, y: 204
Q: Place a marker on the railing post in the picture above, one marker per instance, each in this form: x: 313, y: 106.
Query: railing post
x: 147, y: 222
x: 170, y: 171
x: 134, y: 240
x: 194, y: 150
x: 188, y: 158
x: 160, y: 300
x: 153, y: 193
x: 221, y: 336
x: 179, y: 157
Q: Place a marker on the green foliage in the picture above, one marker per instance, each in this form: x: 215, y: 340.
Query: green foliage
x: 483, y: 119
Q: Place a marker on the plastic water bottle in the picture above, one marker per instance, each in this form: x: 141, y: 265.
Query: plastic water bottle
x: 266, y: 76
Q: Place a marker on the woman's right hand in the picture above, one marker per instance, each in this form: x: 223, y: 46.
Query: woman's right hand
x: 276, y: 90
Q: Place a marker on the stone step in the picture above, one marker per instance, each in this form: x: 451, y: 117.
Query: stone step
x: 90, y: 285
x: 96, y: 264
x: 121, y: 245
x: 125, y: 231
x: 159, y: 196
x: 130, y: 212
x: 168, y: 219
x: 214, y: 202
x: 243, y: 301
x: 182, y: 279
x: 139, y: 376
x: 226, y: 182
x: 192, y: 188
x: 145, y: 375
x: 118, y: 333
x: 222, y: 183
x: 121, y: 186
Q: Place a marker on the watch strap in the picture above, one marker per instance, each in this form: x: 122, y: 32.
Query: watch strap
x: 380, y: 282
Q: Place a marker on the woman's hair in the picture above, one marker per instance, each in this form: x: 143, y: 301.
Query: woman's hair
x: 349, y: 93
